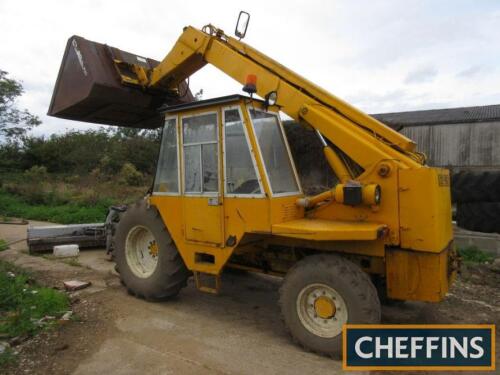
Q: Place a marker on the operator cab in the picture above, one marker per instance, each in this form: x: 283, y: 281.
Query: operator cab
x: 231, y: 146
x: 224, y: 170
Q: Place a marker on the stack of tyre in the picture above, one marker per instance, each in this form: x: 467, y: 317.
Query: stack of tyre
x: 477, y: 198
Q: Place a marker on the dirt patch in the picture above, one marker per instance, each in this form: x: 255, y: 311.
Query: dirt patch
x: 475, y: 297
x: 60, y: 350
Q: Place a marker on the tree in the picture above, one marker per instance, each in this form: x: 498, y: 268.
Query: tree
x: 13, y: 121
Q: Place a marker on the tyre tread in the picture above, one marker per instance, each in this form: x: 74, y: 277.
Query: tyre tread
x: 174, y: 273
x: 474, y: 186
x: 479, y: 216
x: 346, y: 270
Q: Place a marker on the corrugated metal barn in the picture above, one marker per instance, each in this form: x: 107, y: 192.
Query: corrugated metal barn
x: 456, y: 138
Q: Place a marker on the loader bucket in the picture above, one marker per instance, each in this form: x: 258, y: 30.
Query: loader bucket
x: 89, y: 88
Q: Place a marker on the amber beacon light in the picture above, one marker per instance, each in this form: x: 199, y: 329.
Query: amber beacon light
x: 250, y: 84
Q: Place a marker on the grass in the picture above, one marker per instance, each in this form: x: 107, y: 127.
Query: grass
x: 472, y: 255
x: 25, y: 307
x: 7, y: 357
x: 72, y: 261
x: 23, y: 303
x: 12, y: 205
x: 3, y: 245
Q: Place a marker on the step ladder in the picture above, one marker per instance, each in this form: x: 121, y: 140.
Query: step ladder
x: 207, y: 282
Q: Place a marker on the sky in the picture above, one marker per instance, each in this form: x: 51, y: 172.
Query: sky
x: 381, y: 56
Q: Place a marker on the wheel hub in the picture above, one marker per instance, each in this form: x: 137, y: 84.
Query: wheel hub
x: 322, y: 310
x: 325, y: 307
x: 153, y: 249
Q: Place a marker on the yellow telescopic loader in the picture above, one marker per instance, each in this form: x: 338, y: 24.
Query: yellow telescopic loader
x: 227, y: 195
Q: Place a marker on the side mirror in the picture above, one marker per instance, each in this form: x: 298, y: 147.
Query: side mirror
x: 242, y: 24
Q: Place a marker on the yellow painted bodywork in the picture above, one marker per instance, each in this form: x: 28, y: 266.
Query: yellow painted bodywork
x: 410, y: 230
x: 416, y: 275
x: 202, y: 222
x: 328, y: 230
x: 424, y: 209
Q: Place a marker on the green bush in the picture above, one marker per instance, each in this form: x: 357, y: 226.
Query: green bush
x: 36, y: 174
x: 130, y: 175
x: 98, y: 175
x: 107, y: 166
x: 82, y: 151
x: 87, y: 197
x: 72, y: 179
x: 36, y: 191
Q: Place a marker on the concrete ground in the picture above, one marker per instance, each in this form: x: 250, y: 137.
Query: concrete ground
x: 236, y: 332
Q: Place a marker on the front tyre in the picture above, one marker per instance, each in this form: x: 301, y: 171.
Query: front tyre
x: 148, y: 261
x: 319, y: 295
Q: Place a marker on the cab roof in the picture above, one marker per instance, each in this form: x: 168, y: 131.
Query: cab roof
x: 206, y: 103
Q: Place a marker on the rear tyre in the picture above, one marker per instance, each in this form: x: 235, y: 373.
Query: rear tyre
x: 319, y: 295
x: 479, y: 216
x: 147, y: 260
x: 474, y: 186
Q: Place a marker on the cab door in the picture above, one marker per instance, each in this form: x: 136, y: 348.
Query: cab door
x: 202, y: 201
x: 246, y: 205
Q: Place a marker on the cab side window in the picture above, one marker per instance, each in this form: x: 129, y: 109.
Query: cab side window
x: 200, y: 153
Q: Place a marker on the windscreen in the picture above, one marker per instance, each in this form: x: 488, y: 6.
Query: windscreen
x: 274, y: 152
x: 241, y: 177
x: 167, y: 172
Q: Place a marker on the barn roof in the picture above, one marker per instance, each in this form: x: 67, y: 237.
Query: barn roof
x: 400, y: 120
